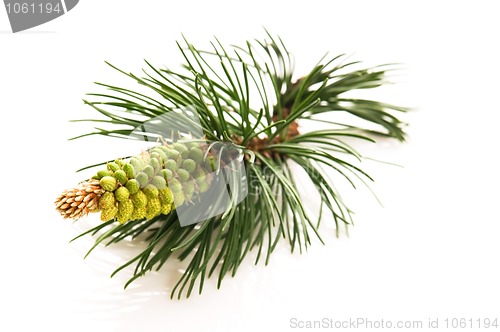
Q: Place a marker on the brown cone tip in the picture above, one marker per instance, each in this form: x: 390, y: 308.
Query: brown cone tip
x: 78, y: 202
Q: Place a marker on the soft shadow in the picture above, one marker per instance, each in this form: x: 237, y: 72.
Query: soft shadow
x: 112, y: 303
x: 8, y: 32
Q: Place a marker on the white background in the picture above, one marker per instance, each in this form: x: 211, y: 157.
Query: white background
x: 431, y: 252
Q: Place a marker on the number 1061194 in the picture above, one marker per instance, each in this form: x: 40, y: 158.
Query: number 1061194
x: 31, y: 8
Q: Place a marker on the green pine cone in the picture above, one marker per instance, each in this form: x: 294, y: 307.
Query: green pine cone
x: 168, y: 175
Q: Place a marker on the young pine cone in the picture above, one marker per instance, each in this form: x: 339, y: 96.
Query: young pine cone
x: 142, y: 187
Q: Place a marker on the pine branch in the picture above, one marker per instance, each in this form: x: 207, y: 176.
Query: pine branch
x: 245, y: 100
